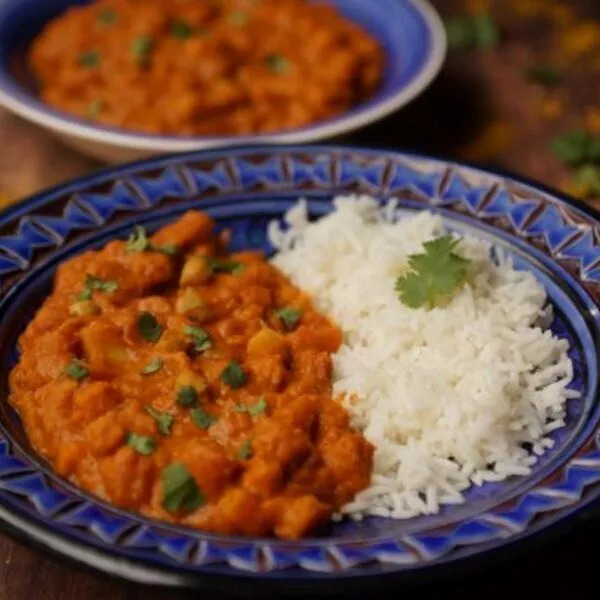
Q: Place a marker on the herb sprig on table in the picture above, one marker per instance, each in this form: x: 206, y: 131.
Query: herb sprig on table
x: 473, y: 31
x: 580, y: 150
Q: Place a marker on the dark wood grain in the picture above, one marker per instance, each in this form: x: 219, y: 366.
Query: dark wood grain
x: 480, y: 108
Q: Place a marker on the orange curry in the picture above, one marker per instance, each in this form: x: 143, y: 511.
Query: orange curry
x: 205, y: 67
x: 191, y: 385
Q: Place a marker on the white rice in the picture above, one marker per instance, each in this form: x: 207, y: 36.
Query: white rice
x: 448, y: 396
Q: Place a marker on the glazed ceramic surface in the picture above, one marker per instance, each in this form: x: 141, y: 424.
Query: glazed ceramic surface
x: 243, y: 190
x: 409, y: 31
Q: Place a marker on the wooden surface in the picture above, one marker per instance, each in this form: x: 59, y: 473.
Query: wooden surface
x: 480, y: 108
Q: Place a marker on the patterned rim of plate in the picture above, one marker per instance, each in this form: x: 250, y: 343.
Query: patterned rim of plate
x: 252, y: 185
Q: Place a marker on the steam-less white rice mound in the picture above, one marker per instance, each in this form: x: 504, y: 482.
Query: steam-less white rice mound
x: 448, y: 396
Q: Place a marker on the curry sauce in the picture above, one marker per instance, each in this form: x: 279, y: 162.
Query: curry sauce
x: 229, y: 67
x: 191, y: 385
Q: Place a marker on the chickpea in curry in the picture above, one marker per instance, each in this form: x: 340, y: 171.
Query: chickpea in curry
x: 228, y: 67
x: 191, y: 385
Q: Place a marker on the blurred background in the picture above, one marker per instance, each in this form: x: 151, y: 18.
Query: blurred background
x: 520, y: 90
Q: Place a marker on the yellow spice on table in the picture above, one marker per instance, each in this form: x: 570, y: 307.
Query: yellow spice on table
x: 592, y: 119
x: 475, y: 7
x: 580, y: 39
x: 491, y: 141
x: 576, y: 189
x: 551, y: 108
x: 5, y: 199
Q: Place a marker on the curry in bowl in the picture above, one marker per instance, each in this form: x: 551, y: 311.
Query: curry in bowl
x: 226, y: 67
x: 194, y: 386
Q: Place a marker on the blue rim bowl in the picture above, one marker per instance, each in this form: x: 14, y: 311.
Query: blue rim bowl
x: 409, y: 31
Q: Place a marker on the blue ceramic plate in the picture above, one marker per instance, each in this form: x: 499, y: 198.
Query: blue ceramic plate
x: 243, y: 190
x: 409, y: 31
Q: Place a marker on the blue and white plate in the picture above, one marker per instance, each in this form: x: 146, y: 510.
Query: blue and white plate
x: 409, y: 31
x: 243, y: 190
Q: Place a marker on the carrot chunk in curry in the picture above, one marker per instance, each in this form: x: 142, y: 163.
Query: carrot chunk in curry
x: 207, y: 67
x: 172, y: 378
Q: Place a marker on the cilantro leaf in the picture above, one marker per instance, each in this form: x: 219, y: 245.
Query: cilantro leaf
x: 233, y: 267
x: 142, y: 444
x: 187, y: 396
x: 276, y: 63
x: 164, y: 421
x: 166, y: 249
x: 138, y: 241
x: 245, y: 450
x: 437, y: 272
x: 90, y: 58
x: 93, y: 283
x: 94, y: 108
x: 238, y: 18
x: 148, y: 327
x: 156, y: 364
x: 107, y: 16
x: 141, y: 48
x: 77, y: 369
x: 258, y: 409
x: 233, y: 375
x: 180, y: 30
x: 202, y: 419
x: 290, y: 316
x: 180, y: 489
x: 201, y: 338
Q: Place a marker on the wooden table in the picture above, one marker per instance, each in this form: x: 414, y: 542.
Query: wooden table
x: 480, y: 108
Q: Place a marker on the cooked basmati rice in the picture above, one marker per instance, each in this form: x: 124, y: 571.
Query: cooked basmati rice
x: 453, y: 396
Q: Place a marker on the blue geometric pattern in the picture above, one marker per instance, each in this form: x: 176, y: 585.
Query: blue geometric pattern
x: 256, y: 185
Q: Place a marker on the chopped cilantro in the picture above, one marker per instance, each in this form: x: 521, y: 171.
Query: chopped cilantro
x: 138, y: 241
x: 276, y: 63
x: 142, y: 444
x: 107, y: 16
x: 90, y: 58
x: 181, y: 30
x: 164, y: 421
x: 156, y: 364
x: 238, y: 18
x: 187, y: 396
x: 180, y: 490
x: 148, y: 327
x: 245, y: 450
x: 258, y: 409
x: 202, y: 419
x: 201, y: 338
x: 217, y: 265
x: 93, y: 283
x: 233, y: 375
x: 77, y: 369
x: 289, y: 316
x: 141, y: 48
x: 94, y: 108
